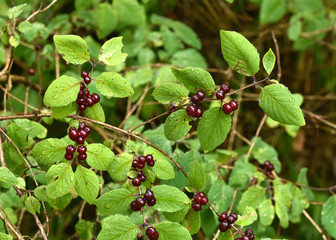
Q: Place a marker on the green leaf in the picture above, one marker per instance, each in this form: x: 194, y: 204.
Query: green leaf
x: 7, y: 178
x: 192, y: 222
x: 299, y: 203
x: 241, y: 174
x: 213, y: 128
x: 170, y: 93
x: 239, y: 53
x: 249, y: 216
x: 84, y: 229
x: 220, y: 194
x: 103, y: 14
x: 162, y: 168
x: 49, y: 151
x: 34, y: 129
x: 96, y: 112
x: 72, y: 48
x: 32, y: 205
x: 177, y: 125
x: 14, y: 39
x: 266, y: 212
x: 112, y: 84
x: 195, y: 79
x: 169, y: 199
x: 269, y: 61
x: 272, y: 11
x: 60, y: 180
x: 115, y: 201
x: 120, y: 166
x: 176, y: 216
x: 62, y: 91
x: 57, y: 203
x: 252, y: 198
x: 61, y: 112
x: 99, y: 156
x: 24, y: 26
x: 139, y: 77
x: 14, y: 12
x: 188, y: 58
x: 19, y: 135
x: 86, y: 184
x: 328, y: 217
x: 302, y: 179
x: 282, y: 196
x: 118, y: 227
x: 5, y: 236
x: 172, y: 231
x: 295, y: 27
x: 196, y: 175
x: 186, y: 34
x: 225, y: 235
x: 110, y: 53
x: 130, y: 12
x: 277, y: 102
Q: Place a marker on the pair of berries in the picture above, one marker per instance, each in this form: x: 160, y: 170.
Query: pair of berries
x: 192, y: 110
x: 140, y: 202
x: 70, y: 150
x: 199, y: 200
x: 226, y: 221
x: 224, y: 89
x: 229, y: 107
x: 151, y: 233
x: 138, y: 179
x: 85, y: 99
x: 248, y: 235
x: 268, y: 166
x: 142, y: 160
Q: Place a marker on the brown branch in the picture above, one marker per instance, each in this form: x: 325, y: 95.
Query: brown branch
x: 19, y: 79
x: 277, y: 52
x: 150, y: 120
x: 8, y: 58
x: 314, y: 224
x: 37, y: 220
x: 40, y: 10
x: 256, y: 135
x: 7, y: 224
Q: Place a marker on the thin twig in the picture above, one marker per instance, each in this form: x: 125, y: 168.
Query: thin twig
x: 2, y: 217
x: 256, y: 135
x: 37, y: 220
x: 277, y: 52
x: 314, y: 224
x: 40, y: 10
x: 150, y: 120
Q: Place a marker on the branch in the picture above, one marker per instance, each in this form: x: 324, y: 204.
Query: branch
x: 40, y: 10
x: 2, y: 217
x: 314, y: 224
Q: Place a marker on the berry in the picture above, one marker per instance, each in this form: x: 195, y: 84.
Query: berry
x: 38, y: 47
x: 81, y: 149
x: 86, y: 93
x: 224, y: 226
x: 80, y: 140
x: 87, y: 80
x: 81, y: 126
x: 68, y: 156
x: 84, y: 74
x: 201, y: 194
x: 227, y: 109
x: 139, y: 236
x: 151, y: 202
x: 95, y: 97
x: 248, y: 232
x: 197, y: 207
x: 80, y: 93
x: 220, y: 95
x: 225, y: 88
x: 141, y: 176
x: 204, y: 201
x: 81, y: 107
x: 201, y: 95
x: 87, y: 129
x: 267, y: 173
x: 89, y: 102
x: 70, y: 149
x: 83, y: 133
x: 149, y: 157
x: 195, y: 99
x: 140, y: 165
x: 149, y: 195
x: 82, y: 86
x: 80, y: 101
x: 230, y: 219
x: 222, y: 217
x: 252, y: 237
x: 135, y: 163
x: 245, y: 238
x: 150, y: 163
x: 142, y: 159
x: 31, y: 71
x: 152, y: 234
x: 73, y: 133
x: 134, y: 206
x: 199, y: 112
x: 136, y: 182
x: 82, y: 156
x: 234, y: 216
x: 269, y: 166
x: 198, y: 198
x: 191, y: 110
x: 233, y: 104
x: 140, y: 202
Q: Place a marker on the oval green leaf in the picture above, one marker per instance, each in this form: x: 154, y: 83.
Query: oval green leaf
x: 112, y: 84
x: 170, y: 93
x: 177, y: 125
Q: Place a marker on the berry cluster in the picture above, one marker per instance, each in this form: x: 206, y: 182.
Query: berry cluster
x: 226, y: 221
x: 229, y: 107
x: 220, y: 95
x: 84, y: 98
x: 140, y: 202
x: 268, y: 166
x: 78, y: 136
x: 248, y: 235
x: 199, y: 200
x: 192, y: 109
x: 140, y: 164
x: 152, y: 233
x: 224, y: 89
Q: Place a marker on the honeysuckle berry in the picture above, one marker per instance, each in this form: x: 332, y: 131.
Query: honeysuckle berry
x: 82, y: 86
x: 81, y: 149
x: 135, y: 163
x: 191, y: 110
x: 227, y: 109
x: 152, y: 234
x: 139, y: 236
x: 150, y: 163
x: 82, y: 156
x: 151, y: 202
x: 142, y: 159
x: 68, y: 156
x: 197, y: 207
x: 222, y: 217
x: 83, y: 133
x: 140, y: 165
x: 136, y: 182
x: 195, y: 99
x: 199, y: 112
x: 204, y: 201
x: 38, y: 47
x: 224, y: 226
x: 87, y: 80
x: 234, y: 105
x: 70, y: 149
x: 31, y: 71
x: 87, y: 129
x: 148, y: 195
x: 225, y: 88
x: 95, y: 97
x: 73, y: 133
x: 201, y: 95
x: 220, y: 95
x: 84, y: 74
x: 198, y: 198
x: 81, y: 107
x: 80, y: 140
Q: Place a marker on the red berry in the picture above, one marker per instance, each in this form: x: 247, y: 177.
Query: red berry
x: 142, y: 159
x: 140, y: 202
x: 233, y: 104
x: 81, y: 149
x: 81, y: 107
x: 38, y: 47
x: 235, y: 217
x: 82, y: 156
x: 252, y: 237
x: 201, y: 95
x: 80, y: 140
x: 224, y: 226
x: 139, y: 236
x: 152, y: 234
x: 220, y: 95
x: 248, y: 232
x: 191, y: 110
x: 136, y: 182
x: 83, y: 133
x: 195, y: 99
x: 31, y: 71
x: 269, y: 166
x: 73, y: 133
x: 140, y: 165
x: 204, y: 201
x: 70, y: 149
x: 80, y: 101
x: 87, y: 129
x: 86, y: 93
x: 87, y: 80
x: 151, y: 202
x: 267, y: 173
x: 222, y: 217
x: 134, y: 206
x: 135, y: 163
x: 81, y: 126
x: 225, y: 88
x: 230, y: 219
x: 141, y: 176
x: 198, y: 198
x: 199, y: 112
x: 149, y: 195
x: 68, y: 156
x: 149, y: 157
x: 150, y: 163
x: 201, y: 194
x: 84, y: 74
x: 95, y: 97
x: 197, y: 207
x: 245, y: 238
x: 82, y: 86
x: 227, y: 109
x: 80, y: 94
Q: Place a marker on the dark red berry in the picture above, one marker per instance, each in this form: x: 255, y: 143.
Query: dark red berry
x: 81, y: 107
x: 191, y: 110
x: 235, y: 217
x: 269, y: 166
x: 149, y: 157
x: 198, y: 198
x: 134, y: 206
x: 82, y: 156
x: 73, y: 133
x: 87, y: 129
x: 31, y: 71
x: 204, y: 201
x: 83, y: 133
x: 233, y: 104
x: 148, y: 195
x: 199, y: 112
x: 142, y: 159
x: 150, y: 163
x: 201, y: 95
x: 136, y: 182
x: 224, y: 226
x: 38, y: 47
x: 140, y: 202
x: 252, y: 237
x: 151, y: 202
x: 84, y: 74
x: 152, y: 234
x: 89, y: 102
x: 135, y: 163
x: 202, y: 194
x: 68, y: 156
x: 86, y: 93
x: 222, y: 217
x: 267, y: 173
x: 230, y: 219
x: 87, y: 80
x: 245, y: 238
x: 95, y: 97
x: 81, y: 149
x: 220, y: 95
x: 197, y: 207
x: 80, y: 140
x: 140, y: 165
x: 80, y: 94
x: 141, y: 176
x: 82, y: 86
x: 227, y: 109
x: 81, y: 126
x: 70, y: 149
x: 248, y: 232
x: 80, y: 101
x: 139, y: 236
x: 195, y: 99
x: 225, y: 88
